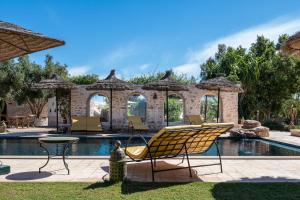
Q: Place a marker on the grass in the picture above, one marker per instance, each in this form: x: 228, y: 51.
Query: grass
x: 133, y: 190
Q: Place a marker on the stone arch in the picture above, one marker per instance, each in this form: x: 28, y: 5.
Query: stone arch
x: 212, y: 96
x: 104, y: 111
x: 142, y: 105
x: 180, y: 117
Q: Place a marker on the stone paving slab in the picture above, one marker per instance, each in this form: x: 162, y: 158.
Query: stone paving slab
x: 89, y: 170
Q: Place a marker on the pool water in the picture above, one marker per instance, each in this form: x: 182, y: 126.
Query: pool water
x: 103, y: 147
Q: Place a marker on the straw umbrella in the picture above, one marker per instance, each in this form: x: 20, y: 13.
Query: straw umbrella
x: 17, y: 41
x: 54, y: 83
x: 111, y: 82
x: 220, y: 84
x: 166, y: 83
x: 292, y: 45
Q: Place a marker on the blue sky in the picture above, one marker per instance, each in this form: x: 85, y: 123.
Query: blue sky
x: 139, y: 37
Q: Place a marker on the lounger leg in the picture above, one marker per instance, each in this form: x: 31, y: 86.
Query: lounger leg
x: 152, y: 170
x: 218, y: 151
x: 188, y: 160
x: 182, y: 159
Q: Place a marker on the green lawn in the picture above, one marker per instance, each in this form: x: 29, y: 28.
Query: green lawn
x: 132, y: 190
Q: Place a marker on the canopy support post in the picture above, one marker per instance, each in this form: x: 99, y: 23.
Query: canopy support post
x: 56, y: 102
x: 110, y: 124
x: 167, y: 106
x: 218, y: 109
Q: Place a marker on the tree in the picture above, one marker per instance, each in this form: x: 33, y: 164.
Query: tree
x: 32, y: 73
x: 147, y: 78
x: 84, y: 79
x: 267, y: 77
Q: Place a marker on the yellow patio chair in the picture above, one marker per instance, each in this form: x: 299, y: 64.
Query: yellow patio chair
x: 78, y: 123
x: 136, y: 124
x: 176, y: 141
x: 93, y: 124
x: 194, y: 119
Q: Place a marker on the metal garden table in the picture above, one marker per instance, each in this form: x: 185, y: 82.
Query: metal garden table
x: 65, y: 141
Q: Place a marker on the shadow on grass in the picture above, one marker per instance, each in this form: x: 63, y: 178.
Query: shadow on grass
x: 264, y: 187
x: 26, y: 176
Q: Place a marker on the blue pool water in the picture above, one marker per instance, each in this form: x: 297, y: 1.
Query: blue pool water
x: 103, y: 147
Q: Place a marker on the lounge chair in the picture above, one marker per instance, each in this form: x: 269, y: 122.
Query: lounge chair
x: 176, y: 141
x: 194, y: 119
x: 86, y: 124
x: 135, y: 124
x: 93, y: 124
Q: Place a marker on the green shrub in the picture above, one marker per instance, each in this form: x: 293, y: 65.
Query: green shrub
x: 275, y: 125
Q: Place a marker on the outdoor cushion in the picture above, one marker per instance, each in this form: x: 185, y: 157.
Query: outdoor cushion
x: 137, y: 124
x: 78, y: 123
x: 93, y: 124
x: 194, y: 119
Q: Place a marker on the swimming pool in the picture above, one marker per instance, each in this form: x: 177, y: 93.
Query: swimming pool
x: 103, y: 147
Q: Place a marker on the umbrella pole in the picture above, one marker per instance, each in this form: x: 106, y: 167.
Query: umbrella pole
x: 110, y: 127
x: 205, y: 108
x: 218, y: 109
x: 56, y: 102
x: 167, y: 99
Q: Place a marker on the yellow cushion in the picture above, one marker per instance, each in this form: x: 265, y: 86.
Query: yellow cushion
x: 170, y: 141
x: 194, y: 119
x: 78, y: 123
x: 93, y: 124
x: 137, y: 123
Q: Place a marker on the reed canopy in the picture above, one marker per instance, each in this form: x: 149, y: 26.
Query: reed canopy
x: 17, y: 41
x: 111, y: 82
x: 166, y: 83
x: 292, y: 45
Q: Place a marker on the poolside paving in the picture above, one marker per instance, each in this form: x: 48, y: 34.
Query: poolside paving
x: 93, y: 170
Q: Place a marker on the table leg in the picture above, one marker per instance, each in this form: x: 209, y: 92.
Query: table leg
x: 47, y: 158
x: 66, y: 147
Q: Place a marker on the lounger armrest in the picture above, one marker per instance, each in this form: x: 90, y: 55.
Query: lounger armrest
x: 129, y: 140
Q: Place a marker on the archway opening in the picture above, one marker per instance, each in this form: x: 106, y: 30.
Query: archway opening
x: 137, y: 106
x: 209, y: 108
x: 175, y: 109
x: 99, y: 107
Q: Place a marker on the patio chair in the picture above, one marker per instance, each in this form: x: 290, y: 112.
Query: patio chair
x: 135, y: 124
x: 93, y: 124
x: 175, y: 141
x: 194, y: 119
x: 78, y: 123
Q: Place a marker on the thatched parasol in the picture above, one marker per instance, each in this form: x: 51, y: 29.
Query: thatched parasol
x: 166, y: 83
x: 292, y: 45
x: 220, y: 84
x: 111, y: 82
x: 54, y: 83
x: 17, y: 41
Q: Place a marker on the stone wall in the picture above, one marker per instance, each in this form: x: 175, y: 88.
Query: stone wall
x: 155, y: 107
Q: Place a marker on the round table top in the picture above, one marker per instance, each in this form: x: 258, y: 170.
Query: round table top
x: 57, y: 140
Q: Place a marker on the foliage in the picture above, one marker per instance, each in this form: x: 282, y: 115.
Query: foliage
x: 275, y: 125
x: 84, y: 79
x: 31, y: 73
x: 267, y: 77
x: 211, y: 109
x: 147, y: 78
x: 175, y: 109
x: 137, y: 106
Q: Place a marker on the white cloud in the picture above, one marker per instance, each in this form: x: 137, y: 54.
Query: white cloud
x: 80, y: 70
x: 120, y: 53
x: 144, y: 66
x: 244, y: 38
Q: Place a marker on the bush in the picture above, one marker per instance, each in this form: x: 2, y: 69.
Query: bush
x: 275, y: 125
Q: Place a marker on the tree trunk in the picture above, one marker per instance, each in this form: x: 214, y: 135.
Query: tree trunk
x: 37, y: 105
